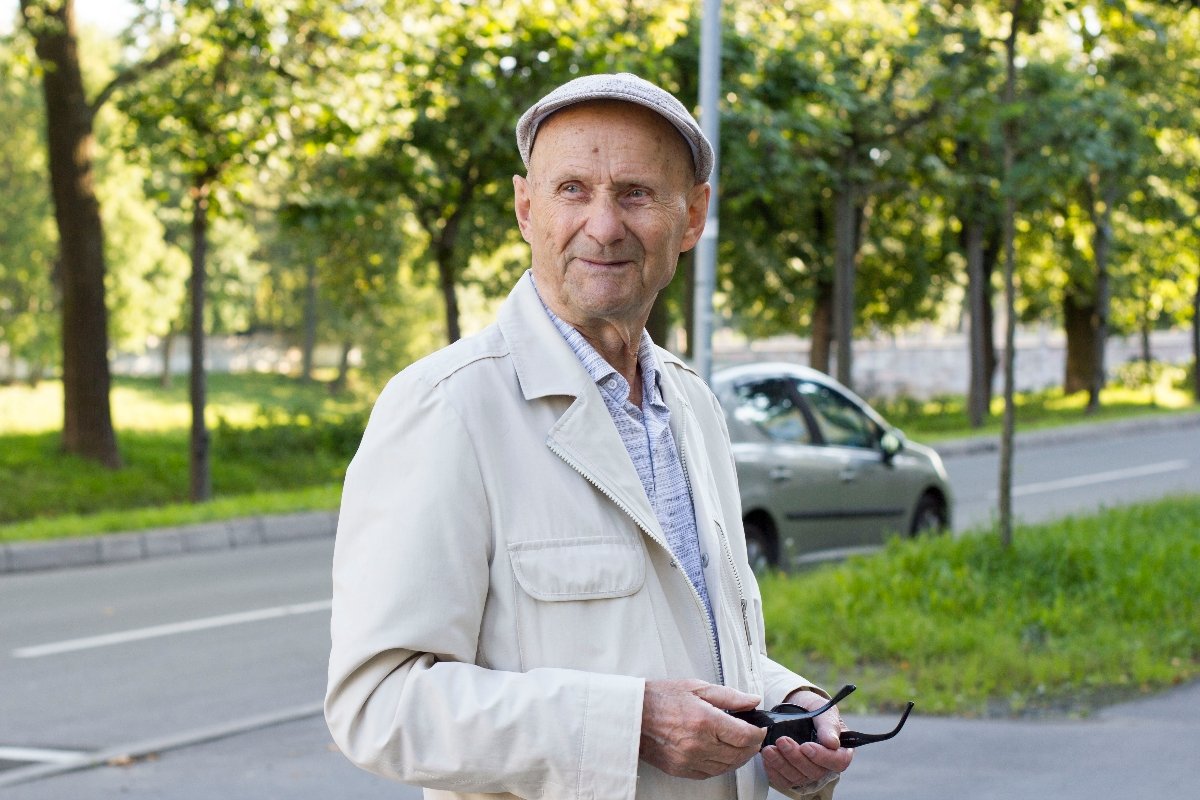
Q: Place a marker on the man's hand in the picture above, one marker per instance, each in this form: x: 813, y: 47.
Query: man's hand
x: 686, y: 732
x: 809, y: 765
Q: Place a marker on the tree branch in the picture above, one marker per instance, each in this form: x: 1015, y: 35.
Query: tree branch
x: 135, y: 73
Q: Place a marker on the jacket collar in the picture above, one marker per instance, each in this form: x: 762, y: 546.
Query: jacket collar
x: 544, y: 362
x: 584, y: 435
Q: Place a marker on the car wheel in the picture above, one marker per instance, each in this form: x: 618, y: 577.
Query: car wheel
x: 930, y: 516
x: 762, y: 550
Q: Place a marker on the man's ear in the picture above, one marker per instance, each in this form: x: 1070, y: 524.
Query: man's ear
x: 697, y: 213
x: 521, y: 202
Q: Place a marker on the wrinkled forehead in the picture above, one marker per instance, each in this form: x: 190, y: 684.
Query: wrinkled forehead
x: 620, y: 117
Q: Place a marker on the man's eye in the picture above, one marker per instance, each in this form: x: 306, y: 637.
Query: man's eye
x: 638, y: 194
x: 571, y: 188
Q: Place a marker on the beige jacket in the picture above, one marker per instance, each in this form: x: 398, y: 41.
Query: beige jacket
x: 502, y: 587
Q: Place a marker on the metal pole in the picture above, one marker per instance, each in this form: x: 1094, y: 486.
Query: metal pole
x: 706, y: 248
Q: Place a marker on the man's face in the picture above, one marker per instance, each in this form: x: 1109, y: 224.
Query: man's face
x: 609, y: 204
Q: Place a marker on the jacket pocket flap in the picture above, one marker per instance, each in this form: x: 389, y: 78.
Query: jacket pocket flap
x: 587, y: 568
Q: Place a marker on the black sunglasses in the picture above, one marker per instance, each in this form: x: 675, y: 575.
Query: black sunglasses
x: 788, y: 719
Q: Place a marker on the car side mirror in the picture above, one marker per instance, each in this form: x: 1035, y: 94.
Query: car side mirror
x: 891, y: 443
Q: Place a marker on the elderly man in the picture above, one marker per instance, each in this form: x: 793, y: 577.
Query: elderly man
x: 540, y: 577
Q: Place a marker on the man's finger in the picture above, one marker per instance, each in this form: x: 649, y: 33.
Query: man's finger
x: 727, y: 698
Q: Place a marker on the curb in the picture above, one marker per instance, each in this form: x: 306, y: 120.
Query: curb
x: 115, y: 548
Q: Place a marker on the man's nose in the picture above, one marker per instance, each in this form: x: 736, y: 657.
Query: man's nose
x: 605, y: 222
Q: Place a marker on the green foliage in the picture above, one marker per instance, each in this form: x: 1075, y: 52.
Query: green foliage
x: 28, y: 242
x: 1086, y: 610
x: 365, y: 153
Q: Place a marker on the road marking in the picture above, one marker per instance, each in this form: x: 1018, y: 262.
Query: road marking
x: 1100, y: 477
x: 176, y: 741
x: 137, y: 634
x: 41, y: 755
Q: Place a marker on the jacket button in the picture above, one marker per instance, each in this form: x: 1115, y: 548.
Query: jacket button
x: 704, y: 560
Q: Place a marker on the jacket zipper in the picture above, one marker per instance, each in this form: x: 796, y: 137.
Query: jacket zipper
x: 709, y: 618
x: 714, y: 648
x: 737, y: 580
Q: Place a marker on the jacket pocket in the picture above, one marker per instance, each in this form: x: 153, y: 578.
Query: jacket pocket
x: 588, y: 568
x: 580, y: 604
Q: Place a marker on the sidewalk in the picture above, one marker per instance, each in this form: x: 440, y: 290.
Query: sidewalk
x: 1143, y: 748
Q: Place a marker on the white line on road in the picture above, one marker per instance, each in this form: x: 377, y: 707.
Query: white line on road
x: 171, y: 629
x: 162, y: 744
x: 41, y: 755
x: 1099, y: 477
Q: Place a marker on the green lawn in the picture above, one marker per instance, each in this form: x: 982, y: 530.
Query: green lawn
x: 270, y: 434
x: 1077, y: 612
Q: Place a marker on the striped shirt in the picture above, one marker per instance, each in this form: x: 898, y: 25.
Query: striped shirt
x: 646, y: 433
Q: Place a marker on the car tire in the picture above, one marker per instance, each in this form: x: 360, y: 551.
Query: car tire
x: 762, y: 549
x: 929, y: 516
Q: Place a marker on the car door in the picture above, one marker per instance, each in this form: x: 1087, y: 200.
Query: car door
x: 868, y: 499
x: 780, y: 468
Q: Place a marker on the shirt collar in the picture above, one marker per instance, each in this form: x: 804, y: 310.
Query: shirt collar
x: 604, y: 374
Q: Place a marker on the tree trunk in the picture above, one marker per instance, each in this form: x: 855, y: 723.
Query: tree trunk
x: 201, y: 471
x: 822, y: 327
x: 168, y: 349
x: 1101, y: 247
x: 87, y: 413
x: 1008, y: 428
x: 309, y: 345
x: 659, y: 323
x: 1196, y: 341
x: 979, y: 383
x: 687, y: 265
x: 343, y: 373
x: 844, y: 227
x: 1078, y: 324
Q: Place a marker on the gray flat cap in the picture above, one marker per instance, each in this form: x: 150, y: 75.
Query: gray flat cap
x: 626, y: 87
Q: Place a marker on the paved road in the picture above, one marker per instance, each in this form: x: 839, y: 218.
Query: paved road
x: 1058, y: 474
x: 211, y: 665
x: 1144, y: 749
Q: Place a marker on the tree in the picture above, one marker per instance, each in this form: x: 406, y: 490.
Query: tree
x: 215, y: 111
x: 87, y: 416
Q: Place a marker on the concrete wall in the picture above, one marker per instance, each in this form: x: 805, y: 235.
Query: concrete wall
x: 932, y: 363
x: 920, y: 364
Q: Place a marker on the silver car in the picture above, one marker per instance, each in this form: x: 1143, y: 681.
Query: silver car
x: 820, y: 470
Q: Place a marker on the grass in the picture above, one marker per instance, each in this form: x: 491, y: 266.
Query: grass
x: 269, y: 434
x: 945, y: 418
x: 1076, y: 612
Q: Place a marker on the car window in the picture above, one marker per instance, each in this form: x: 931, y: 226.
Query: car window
x: 770, y: 406
x: 840, y: 420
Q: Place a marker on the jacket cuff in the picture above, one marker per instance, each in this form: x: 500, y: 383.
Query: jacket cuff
x: 612, y: 726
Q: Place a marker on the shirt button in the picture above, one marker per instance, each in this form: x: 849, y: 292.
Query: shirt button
x: 612, y: 383
x: 704, y: 560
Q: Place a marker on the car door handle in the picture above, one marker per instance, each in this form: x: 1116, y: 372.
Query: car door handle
x: 780, y: 473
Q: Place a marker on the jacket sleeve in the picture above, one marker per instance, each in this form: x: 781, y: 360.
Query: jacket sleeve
x: 406, y: 698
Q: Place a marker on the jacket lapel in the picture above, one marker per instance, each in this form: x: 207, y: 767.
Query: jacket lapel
x: 584, y: 436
